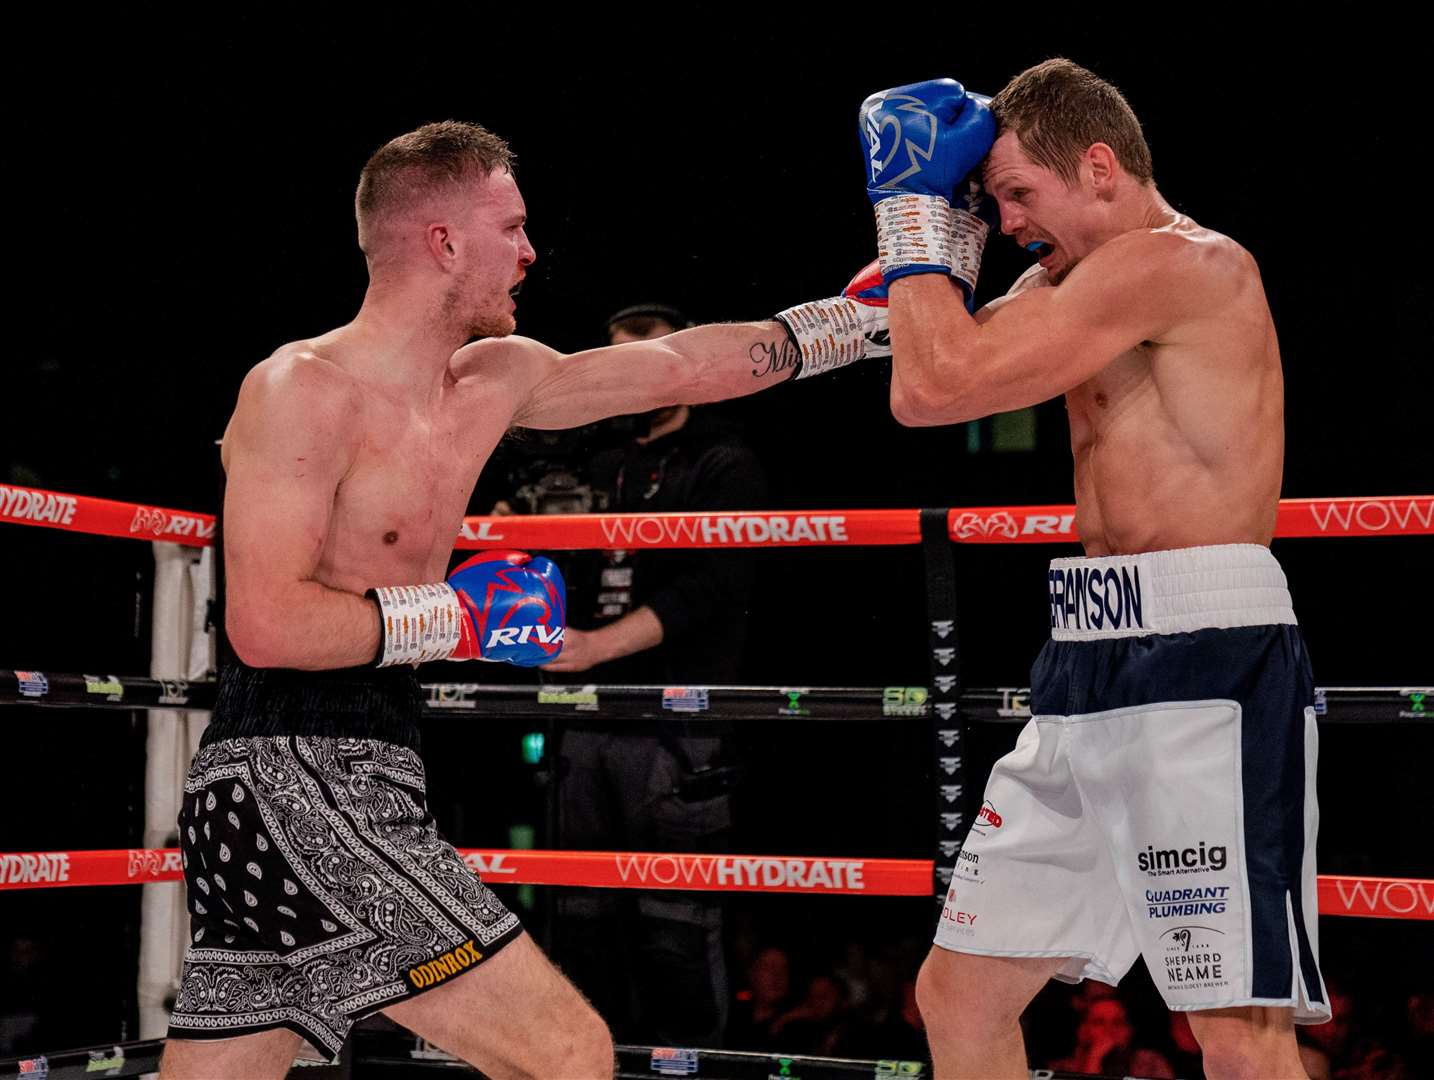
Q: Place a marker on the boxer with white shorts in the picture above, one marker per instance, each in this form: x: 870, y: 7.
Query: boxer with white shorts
x: 1161, y: 801
x: 1163, y: 788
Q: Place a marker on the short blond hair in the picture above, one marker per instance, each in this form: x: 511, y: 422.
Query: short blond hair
x: 1058, y: 110
x: 415, y: 165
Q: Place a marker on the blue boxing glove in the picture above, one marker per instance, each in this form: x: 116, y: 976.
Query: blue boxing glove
x: 922, y: 142
x: 499, y: 605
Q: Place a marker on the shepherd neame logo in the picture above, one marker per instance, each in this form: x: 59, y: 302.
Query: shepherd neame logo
x: 1158, y: 862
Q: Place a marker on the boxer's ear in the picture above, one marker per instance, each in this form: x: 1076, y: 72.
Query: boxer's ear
x: 1102, y: 166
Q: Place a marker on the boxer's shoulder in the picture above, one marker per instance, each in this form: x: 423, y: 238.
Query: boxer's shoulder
x: 499, y: 358
x: 1181, y: 249
x: 507, y: 369
x: 302, y: 372
x: 297, y: 388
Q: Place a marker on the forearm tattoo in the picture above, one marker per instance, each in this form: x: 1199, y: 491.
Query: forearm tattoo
x: 774, y: 357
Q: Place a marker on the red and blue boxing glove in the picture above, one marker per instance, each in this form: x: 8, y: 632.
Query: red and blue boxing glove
x: 499, y: 605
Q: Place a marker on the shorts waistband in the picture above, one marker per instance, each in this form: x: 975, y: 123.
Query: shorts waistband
x: 349, y: 703
x: 1167, y: 592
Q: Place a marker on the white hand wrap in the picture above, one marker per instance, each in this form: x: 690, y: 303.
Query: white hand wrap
x: 913, y: 230
x: 418, y: 622
x: 925, y: 230
x: 968, y: 238
x: 835, y: 332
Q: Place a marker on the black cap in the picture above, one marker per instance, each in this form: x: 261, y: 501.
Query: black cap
x: 666, y: 312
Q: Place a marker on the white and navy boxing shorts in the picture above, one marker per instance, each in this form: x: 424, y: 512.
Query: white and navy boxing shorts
x: 1161, y: 801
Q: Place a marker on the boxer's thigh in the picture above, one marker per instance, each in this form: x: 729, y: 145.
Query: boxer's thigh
x: 515, y: 1015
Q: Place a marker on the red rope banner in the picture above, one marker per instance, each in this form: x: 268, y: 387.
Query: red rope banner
x: 1405, y: 515
x: 104, y: 517
x: 1379, y: 898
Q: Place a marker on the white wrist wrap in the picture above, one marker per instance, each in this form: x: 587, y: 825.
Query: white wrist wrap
x: 829, y: 333
x: 418, y: 622
x: 913, y: 230
x: 968, y: 241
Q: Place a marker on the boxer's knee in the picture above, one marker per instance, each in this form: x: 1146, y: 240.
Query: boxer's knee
x: 947, y: 995
x: 585, y: 1049
x: 975, y: 996
x: 1247, y: 1042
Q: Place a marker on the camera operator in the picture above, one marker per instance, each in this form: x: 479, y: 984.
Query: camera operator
x: 653, y: 963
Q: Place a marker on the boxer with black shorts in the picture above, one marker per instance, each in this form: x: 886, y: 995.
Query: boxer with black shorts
x: 320, y: 891
x: 1161, y: 801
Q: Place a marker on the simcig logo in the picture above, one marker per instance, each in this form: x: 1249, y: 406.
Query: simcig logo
x: 1182, y: 860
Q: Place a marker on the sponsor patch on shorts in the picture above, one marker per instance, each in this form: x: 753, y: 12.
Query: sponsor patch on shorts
x: 453, y: 962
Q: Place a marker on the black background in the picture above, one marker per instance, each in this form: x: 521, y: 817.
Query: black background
x: 179, y: 196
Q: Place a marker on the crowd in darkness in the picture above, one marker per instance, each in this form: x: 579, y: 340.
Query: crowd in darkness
x: 852, y: 998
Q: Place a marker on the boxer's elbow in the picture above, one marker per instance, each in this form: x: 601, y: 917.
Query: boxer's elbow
x: 253, y: 638
x: 922, y: 403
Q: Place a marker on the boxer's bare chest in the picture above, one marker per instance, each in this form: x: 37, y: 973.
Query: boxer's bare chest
x: 398, y: 509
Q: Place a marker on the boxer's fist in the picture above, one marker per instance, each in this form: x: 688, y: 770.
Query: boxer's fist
x: 499, y: 605
x: 924, y: 138
x: 869, y: 291
x: 922, y: 141
x: 513, y: 608
x: 840, y: 330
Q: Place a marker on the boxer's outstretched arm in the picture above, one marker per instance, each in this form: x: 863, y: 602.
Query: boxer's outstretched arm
x: 948, y: 367
x: 287, y: 448
x: 706, y: 363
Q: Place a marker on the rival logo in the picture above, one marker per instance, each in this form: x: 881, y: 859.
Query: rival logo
x: 879, y: 119
x: 520, y: 635
x: 969, y: 524
x: 162, y: 523
x: 154, y: 863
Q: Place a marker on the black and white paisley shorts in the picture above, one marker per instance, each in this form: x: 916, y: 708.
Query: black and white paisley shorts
x: 319, y: 889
